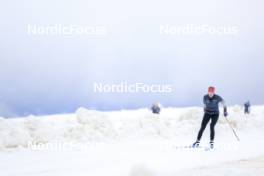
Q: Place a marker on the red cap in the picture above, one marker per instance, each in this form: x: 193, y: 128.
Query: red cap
x: 211, y: 89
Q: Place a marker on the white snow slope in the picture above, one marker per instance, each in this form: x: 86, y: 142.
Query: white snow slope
x: 131, y: 143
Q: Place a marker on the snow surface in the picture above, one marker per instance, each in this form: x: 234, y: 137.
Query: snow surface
x: 131, y: 143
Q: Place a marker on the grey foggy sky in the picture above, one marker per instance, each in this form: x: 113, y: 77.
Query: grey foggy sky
x: 55, y: 74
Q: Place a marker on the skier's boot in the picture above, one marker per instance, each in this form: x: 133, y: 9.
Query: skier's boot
x: 211, y: 144
x: 196, y: 144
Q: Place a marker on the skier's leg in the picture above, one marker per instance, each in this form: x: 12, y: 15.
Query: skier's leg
x: 205, y: 121
x: 214, y: 119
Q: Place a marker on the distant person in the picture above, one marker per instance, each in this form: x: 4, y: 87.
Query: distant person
x: 211, y: 112
x: 247, y: 107
x: 156, y: 108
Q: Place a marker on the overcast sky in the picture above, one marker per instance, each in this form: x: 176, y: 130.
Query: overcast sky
x: 45, y: 74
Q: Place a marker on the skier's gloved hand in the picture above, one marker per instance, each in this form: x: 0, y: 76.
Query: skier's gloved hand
x: 225, y: 112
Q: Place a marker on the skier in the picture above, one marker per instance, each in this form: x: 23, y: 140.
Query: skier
x: 211, y: 112
x: 156, y: 107
x: 246, y: 107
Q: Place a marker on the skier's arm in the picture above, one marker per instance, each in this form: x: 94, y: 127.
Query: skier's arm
x: 204, y: 103
x: 224, y: 106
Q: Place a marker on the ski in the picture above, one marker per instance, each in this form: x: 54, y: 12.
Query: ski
x: 190, y: 147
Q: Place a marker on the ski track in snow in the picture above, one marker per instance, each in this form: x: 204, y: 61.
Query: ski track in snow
x: 131, y: 143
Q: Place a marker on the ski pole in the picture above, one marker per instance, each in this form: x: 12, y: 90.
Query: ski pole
x: 232, y: 129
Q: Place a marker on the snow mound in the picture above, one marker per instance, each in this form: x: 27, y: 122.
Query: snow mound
x: 95, y: 126
x: 91, y: 126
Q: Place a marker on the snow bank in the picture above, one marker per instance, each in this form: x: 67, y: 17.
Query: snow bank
x: 94, y: 126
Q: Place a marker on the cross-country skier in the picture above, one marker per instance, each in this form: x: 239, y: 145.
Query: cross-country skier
x: 246, y: 107
x: 156, y: 107
x: 211, y: 112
